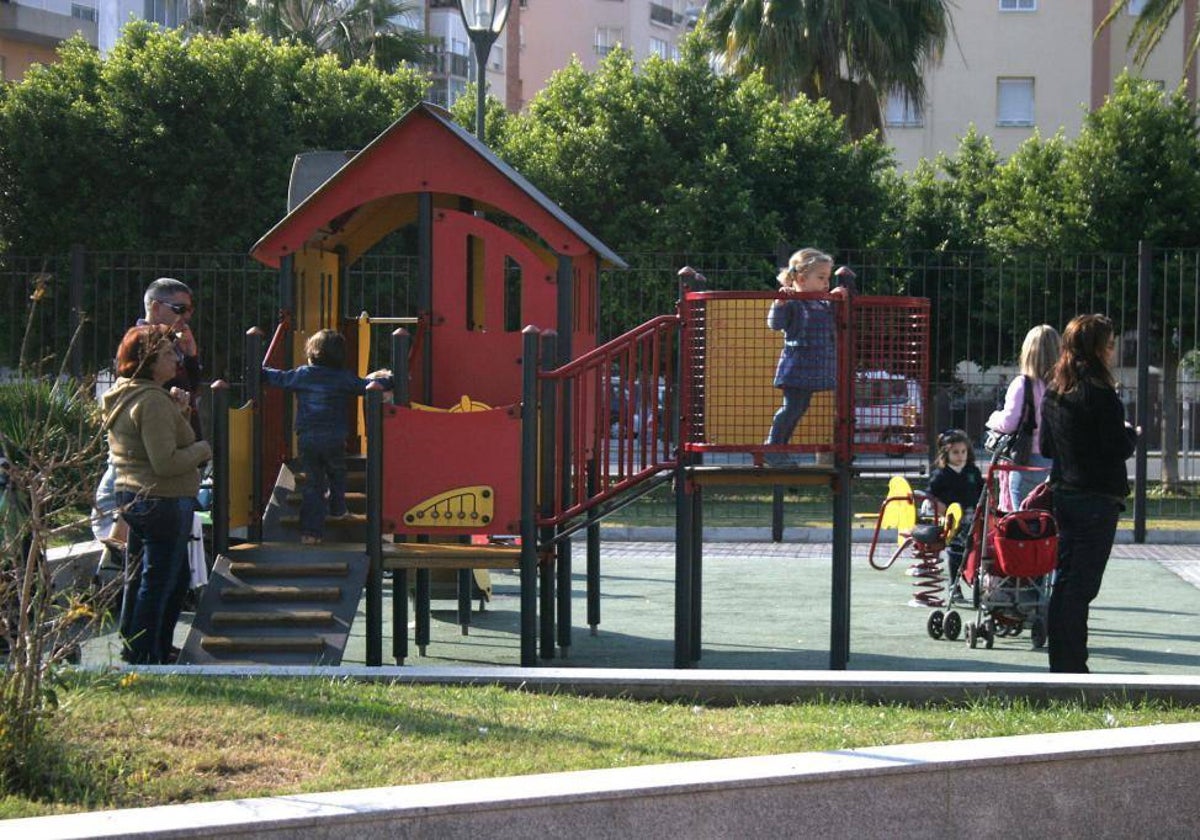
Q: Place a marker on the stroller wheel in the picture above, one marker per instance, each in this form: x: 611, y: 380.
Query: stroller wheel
x: 1037, y: 632
x: 989, y: 634
x: 934, y: 625
x: 952, y: 626
x: 972, y: 634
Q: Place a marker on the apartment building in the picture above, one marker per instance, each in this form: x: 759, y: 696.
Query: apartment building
x: 1016, y: 66
x: 552, y: 31
x: 30, y: 30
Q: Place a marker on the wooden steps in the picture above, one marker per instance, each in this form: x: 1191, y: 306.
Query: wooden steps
x: 450, y: 556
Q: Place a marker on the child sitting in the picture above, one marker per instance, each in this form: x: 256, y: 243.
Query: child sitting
x: 955, y: 478
x: 324, y: 389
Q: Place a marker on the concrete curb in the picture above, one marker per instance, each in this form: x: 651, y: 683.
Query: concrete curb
x: 1122, y: 783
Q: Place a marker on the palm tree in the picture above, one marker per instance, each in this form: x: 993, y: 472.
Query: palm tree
x: 369, y: 31
x: 850, y: 52
x: 1150, y: 26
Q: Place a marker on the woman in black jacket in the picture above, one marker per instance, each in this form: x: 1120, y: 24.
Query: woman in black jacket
x: 1084, y: 430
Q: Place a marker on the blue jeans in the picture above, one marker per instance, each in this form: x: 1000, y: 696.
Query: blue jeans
x: 164, y: 526
x: 325, y: 465
x: 1021, y: 484
x: 795, y: 403
x: 1087, y: 524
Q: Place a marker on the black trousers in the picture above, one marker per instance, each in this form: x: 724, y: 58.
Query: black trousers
x: 1087, y: 524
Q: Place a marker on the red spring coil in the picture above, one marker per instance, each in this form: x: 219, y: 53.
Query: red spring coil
x: 929, y: 576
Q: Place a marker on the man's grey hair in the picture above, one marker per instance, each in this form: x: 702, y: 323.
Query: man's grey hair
x: 165, y: 287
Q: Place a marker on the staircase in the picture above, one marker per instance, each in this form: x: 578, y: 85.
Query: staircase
x: 278, y: 604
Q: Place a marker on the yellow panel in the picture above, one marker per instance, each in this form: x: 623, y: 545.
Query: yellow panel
x: 457, y: 508
x: 316, y: 307
x: 740, y: 358
x: 241, y: 456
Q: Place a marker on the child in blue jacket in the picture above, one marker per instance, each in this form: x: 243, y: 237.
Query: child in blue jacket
x: 324, y: 389
x: 808, y: 361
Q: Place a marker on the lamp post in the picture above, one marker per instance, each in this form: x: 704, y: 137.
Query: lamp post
x: 484, y: 19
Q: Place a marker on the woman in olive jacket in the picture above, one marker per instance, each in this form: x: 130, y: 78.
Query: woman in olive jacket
x: 1084, y: 430
x: 155, y: 452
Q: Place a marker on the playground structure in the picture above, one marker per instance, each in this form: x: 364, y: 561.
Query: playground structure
x: 510, y: 430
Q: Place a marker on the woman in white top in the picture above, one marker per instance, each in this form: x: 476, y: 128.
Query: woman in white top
x: 1039, y: 353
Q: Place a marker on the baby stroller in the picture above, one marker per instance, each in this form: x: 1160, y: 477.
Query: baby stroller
x: 1011, y: 556
x: 921, y: 532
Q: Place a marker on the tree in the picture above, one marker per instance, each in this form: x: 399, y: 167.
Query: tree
x: 369, y: 31
x: 853, y: 53
x: 173, y: 142
x: 677, y: 157
x: 1152, y: 23
x: 383, y: 33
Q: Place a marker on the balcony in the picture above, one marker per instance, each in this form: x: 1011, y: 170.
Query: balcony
x: 38, y: 26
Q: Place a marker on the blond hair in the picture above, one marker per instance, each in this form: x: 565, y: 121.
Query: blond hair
x: 1039, y: 352
x: 802, y: 262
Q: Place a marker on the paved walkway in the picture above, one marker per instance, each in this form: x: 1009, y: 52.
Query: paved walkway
x: 767, y: 606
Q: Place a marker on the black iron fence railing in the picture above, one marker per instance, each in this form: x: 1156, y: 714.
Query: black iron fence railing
x: 980, y: 308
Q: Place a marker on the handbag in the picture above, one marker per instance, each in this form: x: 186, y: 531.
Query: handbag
x: 1015, y: 447
x: 1025, y: 543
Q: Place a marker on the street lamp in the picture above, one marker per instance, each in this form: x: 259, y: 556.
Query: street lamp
x: 484, y: 19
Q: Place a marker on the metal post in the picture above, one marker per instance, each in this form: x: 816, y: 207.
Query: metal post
x: 1145, y: 281
x: 374, y: 605
x: 220, y: 505
x: 593, y: 550
x: 552, y: 564
x: 254, y: 345
x: 529, y: 477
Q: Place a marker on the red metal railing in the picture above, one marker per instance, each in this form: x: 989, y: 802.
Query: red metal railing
x: 613, y: 419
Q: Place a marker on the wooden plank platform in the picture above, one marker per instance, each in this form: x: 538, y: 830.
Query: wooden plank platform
x: 450, y: 556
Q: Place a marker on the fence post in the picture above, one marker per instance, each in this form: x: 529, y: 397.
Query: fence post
x: 1145, y: 280
x: 77, y: 266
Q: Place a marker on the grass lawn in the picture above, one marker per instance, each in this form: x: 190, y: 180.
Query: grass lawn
x: 130, y: 741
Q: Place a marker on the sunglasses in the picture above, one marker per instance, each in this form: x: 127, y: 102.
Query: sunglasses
x: 177, y: 308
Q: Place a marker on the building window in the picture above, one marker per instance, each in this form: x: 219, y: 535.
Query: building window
x: 1136, y: 7
x: 168, y: 13
x: 83, y: 12
x: 660, y: 48
x: 1018, y: 5
x: 1014, y: 102
x: 608, y: 38
x: 496, y: 58
x: 901, y: 111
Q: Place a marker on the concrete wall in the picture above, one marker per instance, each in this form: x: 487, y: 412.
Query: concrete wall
x: 1107, y: 783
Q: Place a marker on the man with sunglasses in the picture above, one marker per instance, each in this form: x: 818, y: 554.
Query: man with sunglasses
x: 169, y: 301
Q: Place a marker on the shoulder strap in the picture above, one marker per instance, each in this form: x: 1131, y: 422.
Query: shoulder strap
x: 1027, y: 410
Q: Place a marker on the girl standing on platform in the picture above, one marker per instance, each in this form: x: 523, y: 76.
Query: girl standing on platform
x: 807, y: 362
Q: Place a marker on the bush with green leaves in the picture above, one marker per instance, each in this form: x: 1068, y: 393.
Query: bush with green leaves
x: 174, y: 143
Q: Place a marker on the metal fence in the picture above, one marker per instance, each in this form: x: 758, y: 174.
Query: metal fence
x: 981, y: 307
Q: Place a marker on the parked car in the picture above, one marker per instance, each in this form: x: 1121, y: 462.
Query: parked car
x: 626, y: 404
x: 888, y: 408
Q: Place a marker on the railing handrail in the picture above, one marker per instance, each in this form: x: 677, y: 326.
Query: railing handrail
x: 608, y: 348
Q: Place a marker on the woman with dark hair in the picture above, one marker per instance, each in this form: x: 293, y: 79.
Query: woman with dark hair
x: 156, y: 455
x: 1084, y: 430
